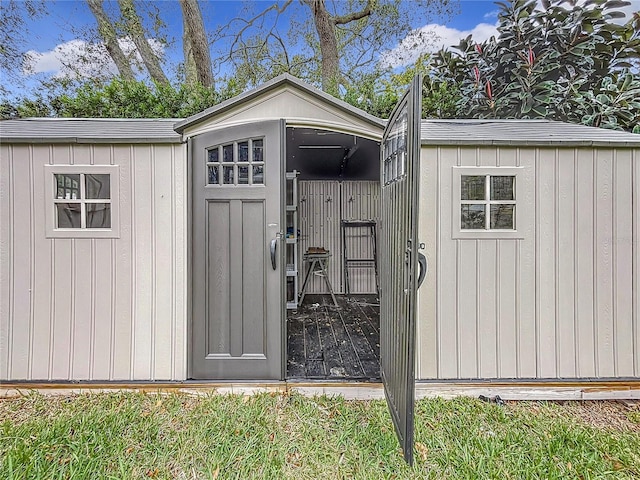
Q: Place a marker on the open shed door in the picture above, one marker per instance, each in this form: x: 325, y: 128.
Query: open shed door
x: 237, y: 253
x: 399, y: 177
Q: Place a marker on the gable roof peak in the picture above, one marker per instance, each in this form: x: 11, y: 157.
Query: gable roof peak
x: 283, y: 80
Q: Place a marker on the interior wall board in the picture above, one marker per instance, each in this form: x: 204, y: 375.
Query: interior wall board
x: 322, y: 206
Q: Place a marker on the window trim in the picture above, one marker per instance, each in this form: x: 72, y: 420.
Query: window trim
x: 457, y: 202
x: 50, y: 201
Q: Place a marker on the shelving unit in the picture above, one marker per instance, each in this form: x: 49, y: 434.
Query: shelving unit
x: 292, y: 238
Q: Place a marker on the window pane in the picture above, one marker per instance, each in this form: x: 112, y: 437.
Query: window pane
x: 68, y: 215
x: 68, y: 186
x: 502, y: 188
x: 213, y: 155
x: 98, y: 215
x: 243, y: 174
x: 98, y: 186
x: 502, y: 217
x: 243, y: 151
x: 258, y: 151
x: 472, y: 187
x: 213, y: 175
x: 258, y: 174
x: 472, y: 217
x: 227, y: 153
x: 227, y: 175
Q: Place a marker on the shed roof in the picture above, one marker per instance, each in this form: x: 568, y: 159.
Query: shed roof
x: 89, y: 130
x: 521, y: 133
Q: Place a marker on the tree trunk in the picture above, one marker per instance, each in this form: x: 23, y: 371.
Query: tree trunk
x: 197, y: 43
x: 134, y: 28
x: 190, y: 73
x: 110, y: 38
x: 326, y: 28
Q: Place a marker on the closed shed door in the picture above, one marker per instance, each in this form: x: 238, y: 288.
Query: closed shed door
x: 237, y: 256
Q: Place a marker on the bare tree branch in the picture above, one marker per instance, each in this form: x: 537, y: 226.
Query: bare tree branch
x: 110, y: 38
x: 351, y: 17
x: 135, y: 29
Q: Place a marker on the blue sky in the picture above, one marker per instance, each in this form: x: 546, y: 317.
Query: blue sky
x: 59, y: 35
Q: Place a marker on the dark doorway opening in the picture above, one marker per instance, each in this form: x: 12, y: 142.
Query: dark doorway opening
x: 332, y: 178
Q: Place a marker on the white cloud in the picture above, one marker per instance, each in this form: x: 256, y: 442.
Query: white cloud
x: 79, y: 58
x: 431, y: 38
x: 491, y: 14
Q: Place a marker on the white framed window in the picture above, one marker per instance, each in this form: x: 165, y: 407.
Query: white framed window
x: 82, y: 201
x: 485, y: 203
x: 236, y: 163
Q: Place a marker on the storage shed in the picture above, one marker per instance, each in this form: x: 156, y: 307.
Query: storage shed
x: 171, y: 249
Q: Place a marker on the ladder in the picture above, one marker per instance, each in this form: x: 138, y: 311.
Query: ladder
x: 352, y: 229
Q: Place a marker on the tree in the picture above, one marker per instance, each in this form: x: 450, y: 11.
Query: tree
x: 134, y: 28
x: 337, y: 45
x: 110, y: 37
x: 567, y: 61
x: 13, y: 35
x: 196, y: 46
x: 325, y: 24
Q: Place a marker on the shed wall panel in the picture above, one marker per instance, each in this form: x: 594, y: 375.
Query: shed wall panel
x: 560, y: 302
x: 584, y: 252
x: 623, y: 271
x: 565, y: 263
x: 449, y: 344
x: 6, y: 256
x: 72, y: 309
x: 42, y: 271
x: 603, y: 209
x: 525, y: 277
x: 21, y: 213
x: 426, y: 341
x: 121, y: 361
x: 635, y: 316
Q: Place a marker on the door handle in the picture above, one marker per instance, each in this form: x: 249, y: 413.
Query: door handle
x: 274, y: 244
x: 424, y: 268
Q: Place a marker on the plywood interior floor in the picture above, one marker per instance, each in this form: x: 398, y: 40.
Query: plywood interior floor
x: 325, y: 342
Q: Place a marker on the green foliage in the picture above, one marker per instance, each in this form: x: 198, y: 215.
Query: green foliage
x: 134, y: 99
x: 568, y: 62
x: 122, y: 99
x: 378, y: 94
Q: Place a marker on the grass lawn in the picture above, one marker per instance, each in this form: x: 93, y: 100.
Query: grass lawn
x: 137, y: 435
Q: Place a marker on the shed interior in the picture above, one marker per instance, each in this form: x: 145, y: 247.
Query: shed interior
x: 332, y: 185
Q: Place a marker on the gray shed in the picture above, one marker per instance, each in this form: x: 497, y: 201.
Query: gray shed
x: 170, y: 249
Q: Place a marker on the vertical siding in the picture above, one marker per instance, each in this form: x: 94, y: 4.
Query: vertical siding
x: 6, y: 254
x: 623, y: 248
x: 561, y: 302
x: 635, y: 316
x: 427, y: 345
x: 94, y: 309
x: 322, y: 206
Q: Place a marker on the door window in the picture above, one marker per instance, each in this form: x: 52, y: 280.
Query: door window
x: 236, y: 163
